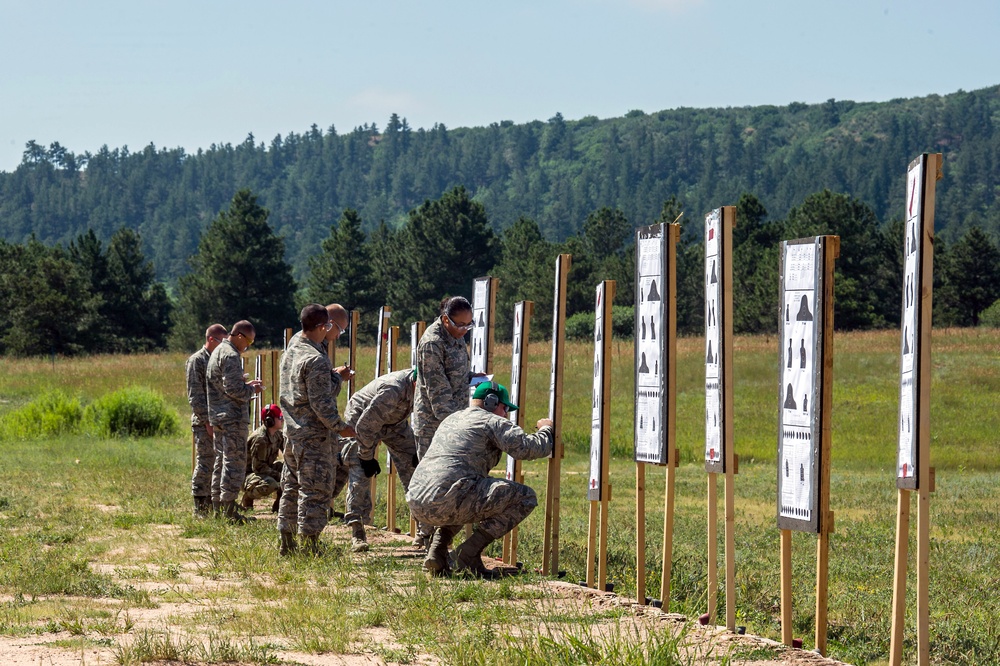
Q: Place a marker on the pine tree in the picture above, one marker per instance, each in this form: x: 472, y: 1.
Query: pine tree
x: 239, y: 272
x: 342, y: 272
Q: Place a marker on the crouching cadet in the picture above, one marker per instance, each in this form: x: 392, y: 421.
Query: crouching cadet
x: 379, y: 412
x: 452, y: 485
x: 263, y: 467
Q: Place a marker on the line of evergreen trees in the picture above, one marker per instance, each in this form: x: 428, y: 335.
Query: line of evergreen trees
x: 555, y: 172
x: 87, y: 297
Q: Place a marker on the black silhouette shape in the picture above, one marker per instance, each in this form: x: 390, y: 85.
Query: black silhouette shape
x: 906, y: 340
x: 654, y: 424
x: 481, y: 319
x: 805, y: 403
x: 789, y: 399
x: 913, y: 238
x: 786, y: 312
x: 597, y: 367
x: 789, y: 355
x: 802, y: 354
x: 802, y: 472
x: 652, y: 328
x: 517, y: 345
x: 804, y: 314
x: 643, y: 319
x: 643, y: 368
x: 709, y: 358
x: 640, y: 422
x: 786, y: 469
x: 656, y: 367
x: 597, y: 334
x: 654, y: 295
x: 713, y: 279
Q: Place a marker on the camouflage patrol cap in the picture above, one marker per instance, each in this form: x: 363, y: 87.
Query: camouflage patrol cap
x: 500, y: 390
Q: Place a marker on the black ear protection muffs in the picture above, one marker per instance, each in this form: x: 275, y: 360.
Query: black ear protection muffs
x: 492, y: 400
x: 268, y: 421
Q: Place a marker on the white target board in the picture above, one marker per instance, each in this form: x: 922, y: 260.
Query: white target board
x: 650, y: 345
x: 598, y: 424
x: 482, y: 317
x: 800, y: 383
x: 714, y: 407
x: 382, y: 341
x: 909, y: 376
x: 557, y: 322
x: 517, y: 359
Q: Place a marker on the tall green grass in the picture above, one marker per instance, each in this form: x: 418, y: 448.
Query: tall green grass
x: 70, y: 501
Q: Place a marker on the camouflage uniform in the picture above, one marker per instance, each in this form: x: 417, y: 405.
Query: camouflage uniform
x: 229, y: 412
x: 197, y: 393
x: 452, y: 486
x: 263, y: 472
x: 379, y: 412
x: 308, y: 399
x: 442, y: 386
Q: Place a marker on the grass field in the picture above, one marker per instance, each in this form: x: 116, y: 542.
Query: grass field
x: 91, y: 525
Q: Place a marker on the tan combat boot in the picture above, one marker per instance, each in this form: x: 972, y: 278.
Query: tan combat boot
x: 359, y: 542
x: 436, y: 561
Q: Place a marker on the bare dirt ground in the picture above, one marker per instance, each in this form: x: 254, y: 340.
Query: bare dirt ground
x: 704, y: 645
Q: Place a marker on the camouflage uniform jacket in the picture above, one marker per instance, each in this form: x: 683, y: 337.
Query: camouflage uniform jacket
x: 308, y: 391
x: 197, y: 389
x: 467, y: 445
x: 228, y: 393
x: 381, y: 405
x: 262, y: 450
x: 442, y: 378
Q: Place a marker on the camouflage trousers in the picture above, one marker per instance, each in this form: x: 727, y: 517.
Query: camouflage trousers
x: 496, y: 504
x: 204, y: 460
x: 257, y: 486
x: 424, y: 529
x: 307, y: 484
x: 230, y: 461
x: 349, y: 474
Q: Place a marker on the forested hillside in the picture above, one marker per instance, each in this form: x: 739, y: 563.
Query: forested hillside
x: 555, y: 172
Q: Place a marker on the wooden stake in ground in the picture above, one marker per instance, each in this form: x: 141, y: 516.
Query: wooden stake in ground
x: 550, y: 540
x: 523, y: 311
x: 258, y: 398
x: 288, y: 337
x: 599, y: 488
x: 805, y: 402
x: 381, y: 367
x: 352, y: 349
x: 720, y: 456
x: 417, y: 329
x: 390, y: 469
x: 913, y: 470
x: 275, y: 355
x: 655, y: 383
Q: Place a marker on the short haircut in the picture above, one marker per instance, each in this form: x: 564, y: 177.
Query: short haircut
x: 454, y: 304
x: 245, y: 327
x: 338, y: 313
x: 217, y: 331
x: 313, y: 315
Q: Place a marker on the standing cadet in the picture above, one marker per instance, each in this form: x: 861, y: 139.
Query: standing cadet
x: 308, y: 396
x: 263, y: 466
x: 229, y: 396
x: 201, y: 428
x: 452, y: 485
x: 379, y: 412
x: 442, y: 379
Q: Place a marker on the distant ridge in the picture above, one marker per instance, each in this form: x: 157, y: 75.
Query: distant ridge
x: 555, y: 172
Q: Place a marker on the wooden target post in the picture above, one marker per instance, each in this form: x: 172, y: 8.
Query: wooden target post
x: 288, y: 337
x: 258, y: 398
x: 381, y: 366
x: 518, y: 392
x: 720, y: 455
x: 550, y: 541
x: 913, y: 470
x: 655, y: 387
x: 352, y: 349
x: 417, y: 329
x: 805, y: 402
x: 599, y: 488
x: 390, y: 476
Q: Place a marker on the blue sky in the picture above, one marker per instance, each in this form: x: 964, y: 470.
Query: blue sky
x: 193, y: 73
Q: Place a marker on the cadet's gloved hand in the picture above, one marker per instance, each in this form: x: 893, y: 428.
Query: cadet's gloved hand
x: 371, y: 467
x: 416, y: 461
